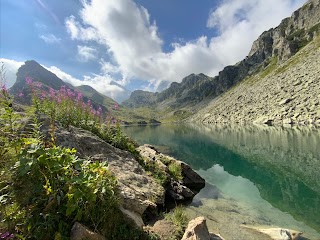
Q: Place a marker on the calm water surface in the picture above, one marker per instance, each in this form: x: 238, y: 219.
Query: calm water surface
x: 274, y: 170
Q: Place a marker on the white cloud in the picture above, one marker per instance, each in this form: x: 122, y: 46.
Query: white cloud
x: 102, y: 83
x: 134, y: 45
x: 11, y: 69
x: 107, y: 67
x: 86, y: 53
x: 50, y: 38
x: 76, y: 31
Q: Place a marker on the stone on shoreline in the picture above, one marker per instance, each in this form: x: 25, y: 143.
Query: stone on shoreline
x: 197, y: 230
x: 185, y: 189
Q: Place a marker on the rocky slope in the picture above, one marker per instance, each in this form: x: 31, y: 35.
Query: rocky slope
x: 140, y: 98
x: 280, y: 94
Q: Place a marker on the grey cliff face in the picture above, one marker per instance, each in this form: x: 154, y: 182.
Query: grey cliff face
x: 292, y: 34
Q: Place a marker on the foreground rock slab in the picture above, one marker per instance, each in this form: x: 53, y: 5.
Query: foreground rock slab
x: 137, y: 190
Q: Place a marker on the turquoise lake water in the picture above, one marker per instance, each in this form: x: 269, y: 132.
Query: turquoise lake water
x: 275, y: 170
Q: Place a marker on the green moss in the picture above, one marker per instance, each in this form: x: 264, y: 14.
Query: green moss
x: 175, y: 170
x: 153, y: 169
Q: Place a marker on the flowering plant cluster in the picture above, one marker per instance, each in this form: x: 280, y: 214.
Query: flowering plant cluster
x: 44, y: 188
x: 70, y: 108
x: 6, y: 235
x: 65, y: 105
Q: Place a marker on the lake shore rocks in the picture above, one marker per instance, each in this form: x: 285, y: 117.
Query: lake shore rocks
x: 276, y: 233
x: 138, y: 191
x: 177, y: 189
x: 197, y: 230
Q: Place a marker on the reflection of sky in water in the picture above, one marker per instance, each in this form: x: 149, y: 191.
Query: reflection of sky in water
x: 242, y: 190
x: 236, y: 187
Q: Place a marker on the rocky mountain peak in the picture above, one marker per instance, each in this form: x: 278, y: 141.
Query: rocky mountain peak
x: 293, y: 33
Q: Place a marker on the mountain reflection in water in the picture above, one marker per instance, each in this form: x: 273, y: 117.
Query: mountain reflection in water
x: 281, y: 164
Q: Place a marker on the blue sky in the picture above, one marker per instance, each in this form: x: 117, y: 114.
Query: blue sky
x: 140, y: 44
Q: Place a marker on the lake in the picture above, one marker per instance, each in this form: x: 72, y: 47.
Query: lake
x: 266, y: 176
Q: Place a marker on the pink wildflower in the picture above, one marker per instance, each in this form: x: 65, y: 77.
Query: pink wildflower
x: 29, y: 80
x: 69, y: 93
x: 52, y: 93
x: 38, y: 84
x: 79, y: 96
x: 20, y: 94
x: 99, y: 111
x: 62, y: 90
x: 3, y: 88
x: 43, y: 94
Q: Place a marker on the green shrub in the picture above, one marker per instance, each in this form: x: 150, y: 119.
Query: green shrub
x: 55, y: 189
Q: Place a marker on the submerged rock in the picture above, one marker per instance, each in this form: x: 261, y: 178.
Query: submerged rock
x: 276, y: 233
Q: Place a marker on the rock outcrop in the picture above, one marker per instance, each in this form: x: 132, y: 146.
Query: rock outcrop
x: 137, y: 190
x: 197, y: 230
x: 140, y: 98
x: 80, y: 232
x: 177, y: 189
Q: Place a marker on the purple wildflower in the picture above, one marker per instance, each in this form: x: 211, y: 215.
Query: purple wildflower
x: 38, y: 85
x: 43, y: 94
x: 79, y: 96
x: 20, y: 94
x: 6, y: 235
x: 28, y: 80
x: 69, y: 92
x: 99, y: 111
x: 3, y: 88
x: 52, y: 93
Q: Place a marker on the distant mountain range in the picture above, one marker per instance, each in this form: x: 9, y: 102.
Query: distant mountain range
x: 197, y: 96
